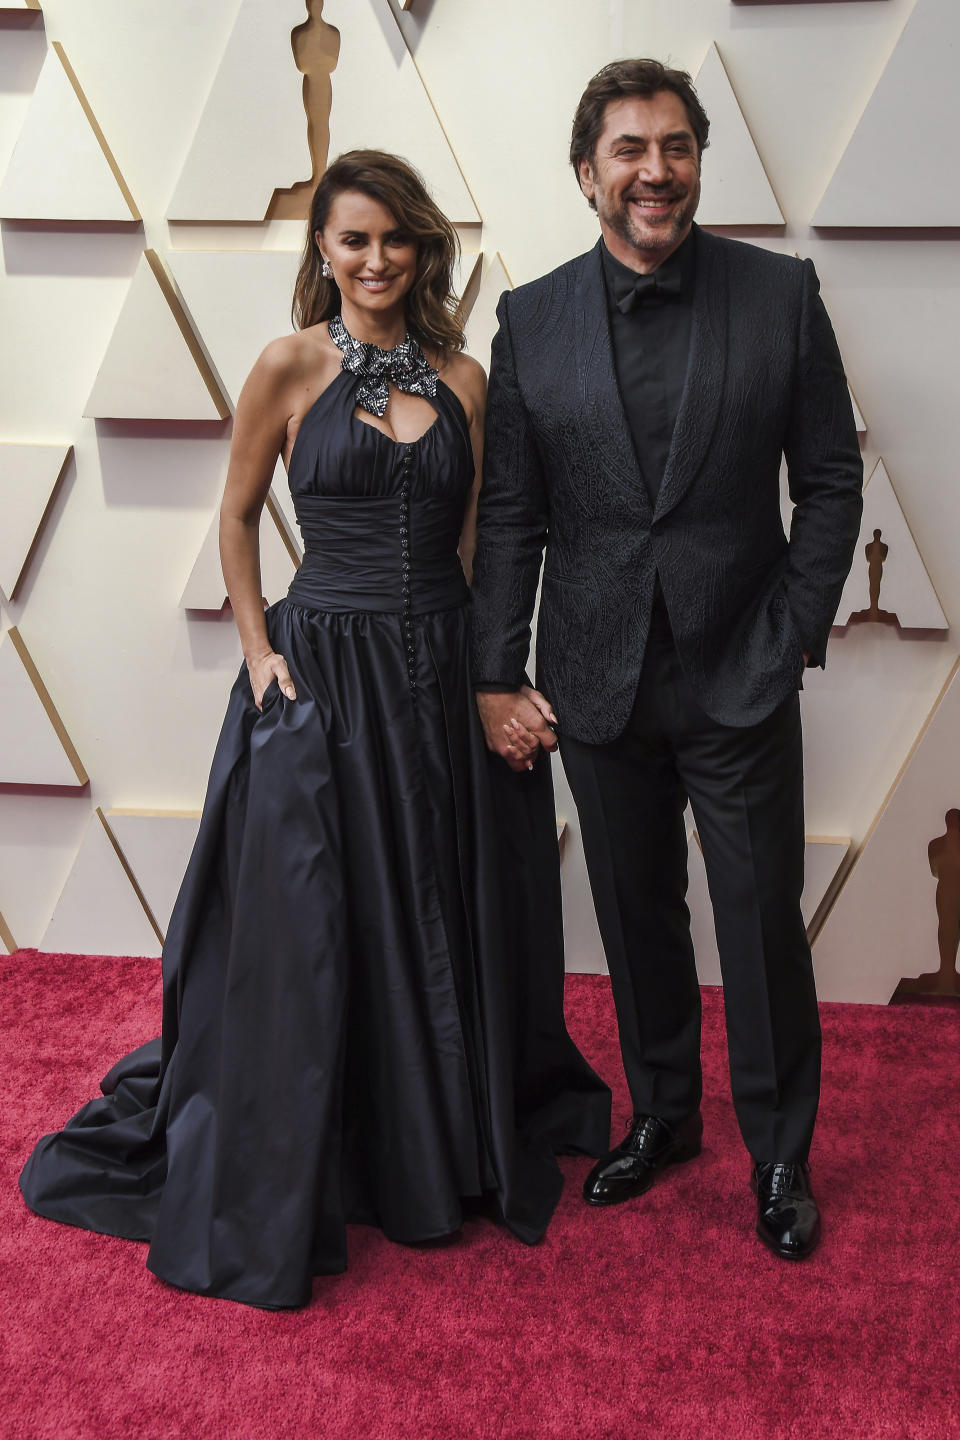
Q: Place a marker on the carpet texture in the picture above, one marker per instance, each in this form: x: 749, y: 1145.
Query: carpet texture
x: 662, y: 1318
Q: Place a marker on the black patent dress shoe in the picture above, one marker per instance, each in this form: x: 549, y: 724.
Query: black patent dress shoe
x: 649, y: 1146
x: 788, y: 1221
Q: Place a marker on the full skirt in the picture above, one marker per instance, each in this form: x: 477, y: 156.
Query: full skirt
x: 362, y: 1008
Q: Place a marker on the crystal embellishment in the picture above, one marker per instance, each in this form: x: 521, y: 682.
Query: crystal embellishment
x: 405, y: 365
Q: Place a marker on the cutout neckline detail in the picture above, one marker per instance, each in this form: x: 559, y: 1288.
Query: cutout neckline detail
x: 393, y: 438
x: 345, y: 376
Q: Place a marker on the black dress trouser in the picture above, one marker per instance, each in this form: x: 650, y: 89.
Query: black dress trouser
x: 745, y: 787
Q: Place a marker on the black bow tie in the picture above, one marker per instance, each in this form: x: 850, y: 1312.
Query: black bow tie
x: 656, y: 286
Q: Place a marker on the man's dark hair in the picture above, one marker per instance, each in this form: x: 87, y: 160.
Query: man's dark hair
x: 622, y: 78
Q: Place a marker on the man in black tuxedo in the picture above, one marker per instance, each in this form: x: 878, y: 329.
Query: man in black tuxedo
x: 641, y: 399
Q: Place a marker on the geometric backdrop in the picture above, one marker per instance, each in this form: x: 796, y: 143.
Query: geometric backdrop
x: 154, y: 166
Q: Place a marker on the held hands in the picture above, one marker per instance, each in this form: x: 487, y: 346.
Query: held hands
x: 516, y: 723
x: 265, y: 668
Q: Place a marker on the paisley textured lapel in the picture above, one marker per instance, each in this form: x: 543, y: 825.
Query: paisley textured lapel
x: 596, y: 378
x: 706, y: 369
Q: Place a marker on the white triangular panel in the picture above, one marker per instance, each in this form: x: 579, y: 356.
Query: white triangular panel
x: 205, y: 589
x: 379, y: 102
x: 883, y: 925
x: 701, y: 915
x: 28, y: 478
x: 34, y: 747
x: 482, y: 321
x: 465, y: 268
x: 868, y: 186
x: 98, y: 912
x: 6, y: 937
x: 238, y: 302
x: 61, y: 168
x: 25, y: 5
x: 252, y: 135
x: 734, y: 185
x: 156, y: 845
x: 858, y: 419
x: 823, y: 856
x: 148, y: 371
x: 906, y: 589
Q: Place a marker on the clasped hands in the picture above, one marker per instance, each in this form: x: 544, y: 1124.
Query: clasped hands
x: 516, y: 723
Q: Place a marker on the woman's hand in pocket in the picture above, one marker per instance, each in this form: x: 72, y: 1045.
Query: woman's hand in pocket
x: 263, y: 670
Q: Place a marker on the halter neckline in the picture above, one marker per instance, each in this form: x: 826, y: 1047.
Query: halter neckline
x: 405, y: 366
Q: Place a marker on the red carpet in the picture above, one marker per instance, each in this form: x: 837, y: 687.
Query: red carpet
x: 664, y: 1318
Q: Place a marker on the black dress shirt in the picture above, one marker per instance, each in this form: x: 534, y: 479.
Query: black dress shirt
x: 651, y: 343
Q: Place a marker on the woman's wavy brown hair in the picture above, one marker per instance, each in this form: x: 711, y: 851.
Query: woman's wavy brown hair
x: 430, y: 303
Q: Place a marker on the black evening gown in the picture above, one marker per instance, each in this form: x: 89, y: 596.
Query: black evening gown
x: 362, y: 998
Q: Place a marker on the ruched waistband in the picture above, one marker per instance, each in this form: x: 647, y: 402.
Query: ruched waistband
x: 386, y: 553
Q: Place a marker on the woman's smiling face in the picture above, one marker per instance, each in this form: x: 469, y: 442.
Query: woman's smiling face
x: 374, y: 261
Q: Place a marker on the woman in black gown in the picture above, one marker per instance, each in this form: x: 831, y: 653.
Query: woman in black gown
x: 362, y: 1015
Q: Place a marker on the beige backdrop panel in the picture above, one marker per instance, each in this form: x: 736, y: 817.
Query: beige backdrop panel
x: 883, y: 926
x: 155, y: 845
x: 99, y: 912
x: 251, y: 137
x: 379, y: 100
x: 905, y: 589
x: 100, y: 599
x: 28, y: 478
x: 736, y: 190
x: 62, y: 167
x: 920, y: 80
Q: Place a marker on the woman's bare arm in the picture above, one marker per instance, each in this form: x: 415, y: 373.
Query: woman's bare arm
x: 260, y: 428
x: 467, y: 379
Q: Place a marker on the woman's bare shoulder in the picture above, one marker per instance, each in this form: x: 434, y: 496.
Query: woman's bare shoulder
x: 467, y: 379
x: 290, y: 357
x: 465, y: 369
x: 291, y: 371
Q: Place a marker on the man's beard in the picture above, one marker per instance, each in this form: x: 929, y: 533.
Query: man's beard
x: 665, y: 237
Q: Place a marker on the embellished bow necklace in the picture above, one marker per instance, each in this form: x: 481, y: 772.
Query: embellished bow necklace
x: 405, y: 365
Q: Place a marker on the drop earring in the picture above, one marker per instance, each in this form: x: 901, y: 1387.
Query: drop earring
x: 326, y: 270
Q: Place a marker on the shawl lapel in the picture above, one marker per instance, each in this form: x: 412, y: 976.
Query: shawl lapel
x: 706, y: 368
x: 596, y: 377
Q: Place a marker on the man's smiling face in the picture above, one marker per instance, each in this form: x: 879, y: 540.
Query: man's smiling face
x: 644, y: 178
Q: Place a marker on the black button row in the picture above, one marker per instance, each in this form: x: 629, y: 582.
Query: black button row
x: 405, y: 593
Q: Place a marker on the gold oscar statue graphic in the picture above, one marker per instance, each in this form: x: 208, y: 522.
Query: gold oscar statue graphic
x: 943, y: 854
x: 316, y: 48
x: 876, y: 552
